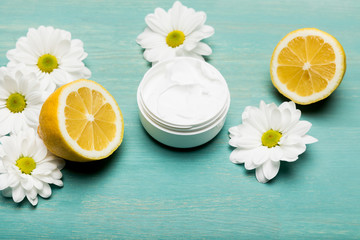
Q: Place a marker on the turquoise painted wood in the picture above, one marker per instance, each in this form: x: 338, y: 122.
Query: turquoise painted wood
x: 149, y: 191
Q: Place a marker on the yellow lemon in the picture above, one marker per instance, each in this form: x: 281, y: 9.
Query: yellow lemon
x: 81, y: 122
x: 307, y: 65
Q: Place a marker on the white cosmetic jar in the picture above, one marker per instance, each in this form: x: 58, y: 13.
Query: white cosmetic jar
x: 183, y: 102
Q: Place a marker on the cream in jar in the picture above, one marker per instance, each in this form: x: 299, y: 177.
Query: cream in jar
x: 184, y: 96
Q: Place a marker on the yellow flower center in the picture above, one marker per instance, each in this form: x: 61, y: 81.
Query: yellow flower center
x: 175, y: 38
x: 271, y: 138
x: 16, y: 103
x: 47, y: 63
x: 26, y: 164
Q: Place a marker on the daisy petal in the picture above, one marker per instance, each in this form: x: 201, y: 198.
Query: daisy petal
x: 45, y: 192
x: 291, y: 153
x: 270, y: 169
x: 32, y: 193
x: 301, y: 128
x: 261, y: 155
x: 149, y: 39
x: 33, y: 201
x: 58, y: 183
x: 276, y: 153
x: 309, y: 139
x: 18, y: 194
x: 155, y: 23
x: 245, y: 142
x: 240, y: 156
x: 260, y: 176
x: 202, y: 49
x: 275, y: 120
x: 249, y: 165
x: 3, y: 181
x: 207, y: 31
x: 62, y: 48
x: 194, y: 22
x: 27, y: 184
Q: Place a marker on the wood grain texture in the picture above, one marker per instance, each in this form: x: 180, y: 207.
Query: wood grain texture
x: 149, y: 191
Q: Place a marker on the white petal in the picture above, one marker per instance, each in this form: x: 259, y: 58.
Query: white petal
x: 260, y: 175
x: 240, y: 156
x: 77, y: 43
x: 193, y: 22
x: 62, y: 48
x: 27, y: 183
x: 31, y: 117
x: 301, y: 128
x: 235, y: 131
x: 189, y: 45
x: 202, y: 49
x: 276, y: 153
x: 56, y: 174
x: 18, y: 194
x: 58, y: 183
x: 248, y: 142
x: 260, y: 155
x: 37, y: 183
x: 271, y: 169
x: 31, y: 193
x: 244, y: 130
x: 45, y: 192
x: 256, y: 118
x: 285, y: 119
x: 76, y: 53
x: 309, y: 139
x: 291, y: 153
x: 159, y: 53
x: 41, y: 153
x: 155, y: 23
x: 3, y: 181
x: 13, y: 181
x: 60, y: 77
x: 44, y: 168
x: 60, y: 163
x: 149, y: 39
x: 33, y: 201
x: 291, y: 140
x: 207, y: 31
x: 275, y: 121
x: 249, y: 165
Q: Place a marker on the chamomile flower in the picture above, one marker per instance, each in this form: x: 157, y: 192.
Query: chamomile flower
x: 268, y: 135
x: 27, y: 168
x: 21, y: 99
x: 177, y: 32
x: 51, y: 54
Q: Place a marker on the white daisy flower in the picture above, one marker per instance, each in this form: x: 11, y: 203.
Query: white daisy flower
x: 27, y: 168
x: 177, y: 32
x: 51, y: 54
x: 267, y: 135
x: 21, y: 99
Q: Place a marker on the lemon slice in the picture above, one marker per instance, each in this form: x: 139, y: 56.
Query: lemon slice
x: 81, y: 122
x: 307, y: 65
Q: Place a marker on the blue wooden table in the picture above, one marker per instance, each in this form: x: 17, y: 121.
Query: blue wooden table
x: 149, y: 191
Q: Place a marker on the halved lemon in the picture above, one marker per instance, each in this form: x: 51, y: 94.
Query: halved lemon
x: 81, y: 122
x: 307, y: 65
